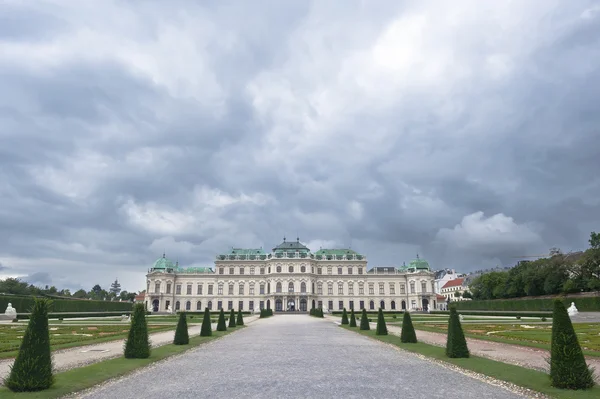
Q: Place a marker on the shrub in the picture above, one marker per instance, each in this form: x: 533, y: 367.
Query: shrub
x: 381, y: 327
x: 408, y: 334
x: 344, y: 317
x: 364, y: 321
x: 231, y: 319
x: 352, y: 318
x: 394, y: 316
x: 544, y: 319
x: 32, y: 370
x: 181, y: 333
x: 206, y: 330
x: 221, y: 323
x: 137, y: 345
x: 24, y: 302
x: 518, y: 317
x: 568, y: 368
x: 456, y: 344
x: 240, y: 318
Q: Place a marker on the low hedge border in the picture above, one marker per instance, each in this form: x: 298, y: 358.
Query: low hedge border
x: 488, y: 313
x: 584, y: 304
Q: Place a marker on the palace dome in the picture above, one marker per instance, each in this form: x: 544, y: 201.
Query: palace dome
x: 163, y: 264
x: 419, y: 264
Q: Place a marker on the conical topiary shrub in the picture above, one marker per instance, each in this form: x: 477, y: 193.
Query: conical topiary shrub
x: 206, y: 330
x: 352, y: 318
x: 456, y: 344
x: 137, y: 344
x: 568, y: 369
x: 408, y: 334
x: 381, y: 327
x: 231, y: 319
x: 181, y: 333
x: 221, y: 326
x: 240, y: 318
x: 364, y: 321
x: 32, y: 369
x: 344, y: 317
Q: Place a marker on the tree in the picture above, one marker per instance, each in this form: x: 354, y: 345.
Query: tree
x: 457, y: 294
x: 467, y: 295
x: 80, y: 294
x: 206, y: 330
x: 381, y: 327
x: 408, y: 334
x: 456, y: 344
x: 231, y: 318
x: 568, y: 369
x: 240, y: 318
x: 32, y: 370
x: 352, y: 318
x: 137, y: 344
x: 344, y: 317
x: 221, y: 323
x: 364, y: 320
x: 181, y: 333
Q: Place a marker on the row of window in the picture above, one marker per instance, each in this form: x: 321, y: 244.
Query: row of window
x: 279, y: 305
x: 291, y: 288
x: 291, y: 269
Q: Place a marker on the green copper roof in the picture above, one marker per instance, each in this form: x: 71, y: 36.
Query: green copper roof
x: 163, y: 263
x: 419, y: 264
x: 194, y: 270
x: 292, y: 246
x: 246, y: 251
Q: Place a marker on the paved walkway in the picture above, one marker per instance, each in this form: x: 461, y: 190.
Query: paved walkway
x: 523, y: 356
x: 66, y: 359
x: 298, y: 356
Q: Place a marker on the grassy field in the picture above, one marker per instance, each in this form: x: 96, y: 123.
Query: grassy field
x: 65, y: 335
x: 531, y: 379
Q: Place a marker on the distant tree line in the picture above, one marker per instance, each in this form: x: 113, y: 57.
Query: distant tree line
x: 18, y: 287
x: 557, y: 274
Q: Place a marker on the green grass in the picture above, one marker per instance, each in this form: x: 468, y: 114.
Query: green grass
x: 531, y: 379
x: 63, y: 337
x: 86, y: 377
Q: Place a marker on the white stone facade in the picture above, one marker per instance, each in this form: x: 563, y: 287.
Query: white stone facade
x: 290, y: 280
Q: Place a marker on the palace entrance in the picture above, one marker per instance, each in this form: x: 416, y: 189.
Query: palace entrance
x: 425, y: 304
x: 278, y: 305
x: 291, y: 305
x: 155, y: 305
x: 303, y: 305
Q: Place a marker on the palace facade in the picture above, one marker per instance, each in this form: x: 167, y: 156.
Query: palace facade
x: 289, y: 278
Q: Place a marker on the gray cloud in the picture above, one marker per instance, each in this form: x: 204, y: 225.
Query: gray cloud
x: 457, y: 132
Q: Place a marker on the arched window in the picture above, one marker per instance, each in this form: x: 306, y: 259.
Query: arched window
x: 177, y: 305
x: 382, y: 305
x: 423, y: 286
x: 188, y: 305
x: 157, y: 288
x: 199, y: 305
x: 393, y: 305
x: 278, y: 287
x: 291, y: 269
x: 303, y: 287
x: 291, y: 287
x: 278, y: 269
x: 209, y: 305
x: 372, y: 305
x: 339, y: 270
x: 303, y: 269
x: 412, y: 287
x: 340, y: 288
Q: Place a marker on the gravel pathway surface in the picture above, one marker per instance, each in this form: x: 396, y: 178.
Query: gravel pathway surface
x: 297, y: 356
x: 66, y: 359
x: 523, y: 356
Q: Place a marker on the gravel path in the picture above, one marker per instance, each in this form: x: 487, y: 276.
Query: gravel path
x: 66, y: 359
x: 523, y: 356
x: 297, y: 356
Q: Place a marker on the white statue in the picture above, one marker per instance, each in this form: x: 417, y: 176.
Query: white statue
x: 257, y: 310
x: 325, y: 310
x: 169, y: 309
x: 572, y: 311
x: 10, y: 311
x: 461, y: 317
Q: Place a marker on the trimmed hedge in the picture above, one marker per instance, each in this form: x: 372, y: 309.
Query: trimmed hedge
x: 72, y: 315
x: 584, y: 304
x: 485, y: 313
x: 137, y: 344
x: 23, y: 304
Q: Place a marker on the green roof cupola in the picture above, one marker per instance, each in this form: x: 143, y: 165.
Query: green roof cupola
x: 162, y: 264
x: 419, y: 264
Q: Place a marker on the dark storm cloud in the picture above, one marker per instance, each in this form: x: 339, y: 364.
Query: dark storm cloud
x: 190, y: 128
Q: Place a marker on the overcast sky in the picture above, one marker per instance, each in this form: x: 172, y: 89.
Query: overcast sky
x: 465, y: 131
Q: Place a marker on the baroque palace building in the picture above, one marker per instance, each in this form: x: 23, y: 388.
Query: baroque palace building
x: 290, y: 278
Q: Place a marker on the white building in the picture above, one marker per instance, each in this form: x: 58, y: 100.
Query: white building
x: 443, y: 276
x: 454, y: 290
x: 290, y: 278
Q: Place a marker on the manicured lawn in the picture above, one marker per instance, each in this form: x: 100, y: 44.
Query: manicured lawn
x: 531, y: 379
x: 85, y: 377
x: 68, y: 336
